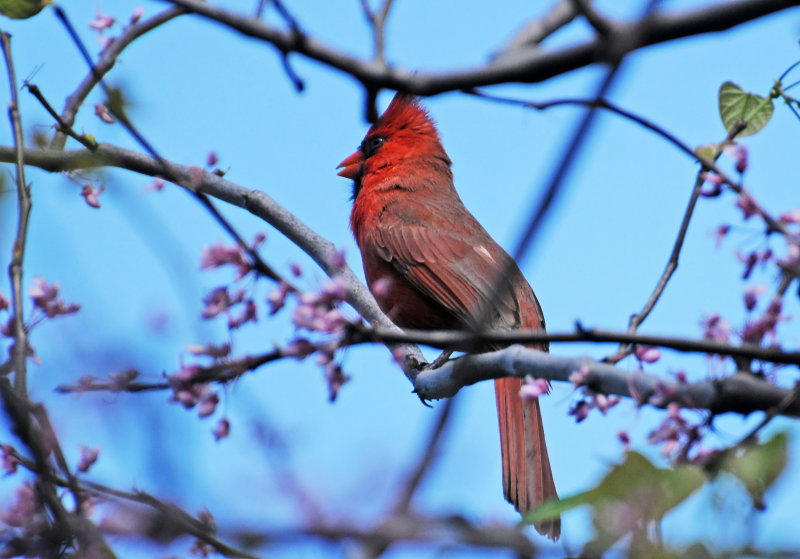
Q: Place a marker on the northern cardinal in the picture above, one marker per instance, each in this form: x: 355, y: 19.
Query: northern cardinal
x: 431, y: 265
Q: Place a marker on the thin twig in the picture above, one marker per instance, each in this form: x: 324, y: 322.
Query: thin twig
x: 455, y: 338
x: 258, y: 263
x: 529, y: 66
x: 20, y: 349
x: 377, y: 20
x: 170, y: 516
x: 106, y: 62
x: 672, y: 263
x: 63, y: 127
x: 538, y: 30
x: 426, y: 459
x: 222, y: 373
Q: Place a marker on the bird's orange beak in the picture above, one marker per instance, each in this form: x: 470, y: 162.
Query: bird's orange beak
x: 352, y: 166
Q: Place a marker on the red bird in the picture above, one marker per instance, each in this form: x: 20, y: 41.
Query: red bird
x: 438, y: 269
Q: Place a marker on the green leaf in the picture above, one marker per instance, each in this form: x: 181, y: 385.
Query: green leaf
x: 628, y: 482
x: 758, y: 466
x: 736, y: 105
x: 22, y: 9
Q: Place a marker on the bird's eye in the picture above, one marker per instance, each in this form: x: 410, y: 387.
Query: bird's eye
x: 371, y: 145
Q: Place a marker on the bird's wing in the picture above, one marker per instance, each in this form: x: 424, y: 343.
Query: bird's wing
x: 460, y: 271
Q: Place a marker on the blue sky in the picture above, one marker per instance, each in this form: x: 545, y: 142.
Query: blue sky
x: 196, y: 87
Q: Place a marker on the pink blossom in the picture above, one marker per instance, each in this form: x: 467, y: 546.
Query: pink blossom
x: 749, y: 262
x: 299, y: 347
x: 532, y: 388
x: 7, y: 329
x: 738, y: 153
x: 184, y: 375
x: 101, y: 22
x: 157, y: 184
x: 792, y: 216
x: 25, y: 508
x: 604, y: 402
x: 318, y: 312
x: 335, y: 378
x: 751, y: 294
x: 9, y: 459
x: 196, y: 175
x: 664, y: 393
x: 676, y: 435
x: 102, y: 112
x: 277, y: 298
x: 248, y: 314
x: 211, y: 350
x: 579, y: 377
x: 381, y: 288
x: 121, y: 380
x: 747, y: 204
x: 399, y: 356
x: 334, y: 290
x: 90, y: 194
x: 222, y: 430
x: 137, y: 14
x: 716, y: 328
x: 43, y: 293
x: 220, y: 255
x: 792, y: 258
x: 45, y: 297
x: 201, y: 548
x: 755, y: 331
x: 716, y: 184
x: 211, y: 159
x: 720, y: 233
x: 208, y: 404
x: 88, y: 457
x: 219, y: 300
x: 338, y: 260
x: 580, y: 410
x: 258, y: 240
x: 648, y: 354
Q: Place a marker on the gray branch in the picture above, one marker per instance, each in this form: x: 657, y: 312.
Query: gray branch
x: 531, y: 65
x: 741, y: 393
x: 256, y: 202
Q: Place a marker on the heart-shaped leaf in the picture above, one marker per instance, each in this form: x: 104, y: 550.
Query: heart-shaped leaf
x: 736, y: 104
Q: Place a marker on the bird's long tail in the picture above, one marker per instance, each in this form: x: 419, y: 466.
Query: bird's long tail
x: 527, y: 478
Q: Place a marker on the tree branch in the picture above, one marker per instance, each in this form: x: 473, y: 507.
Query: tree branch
x: 256, y: 202
x: 741, y: 393
x: 528, y: 66
x: 106, y: 62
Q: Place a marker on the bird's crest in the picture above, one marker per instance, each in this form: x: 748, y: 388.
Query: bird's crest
x: 404, y: 113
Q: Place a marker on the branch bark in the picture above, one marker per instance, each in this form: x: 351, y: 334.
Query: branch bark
x: 527, y: 66
x: 741, y: 393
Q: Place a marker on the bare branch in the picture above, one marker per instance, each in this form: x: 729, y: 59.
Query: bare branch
x: 538, y: 30
x: 377, y: 20
x: 525, y: 67
x: 106, y: 62
x: 427, y: 457
x: 20, y: 349
x: 455, y: 338
x: 322, y: 251
x: 741, y: 393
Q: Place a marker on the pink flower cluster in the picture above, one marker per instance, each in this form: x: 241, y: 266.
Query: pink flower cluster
x: 589, y: 400
x: 45, y: 298
x: 189, y: 392
x: 677, y: 436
